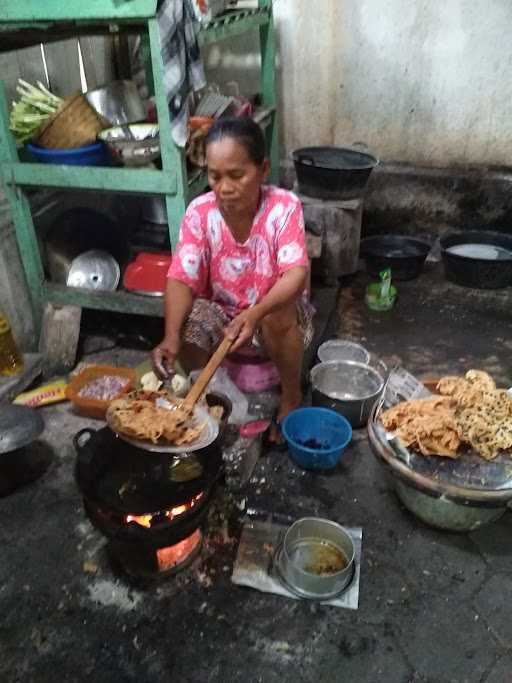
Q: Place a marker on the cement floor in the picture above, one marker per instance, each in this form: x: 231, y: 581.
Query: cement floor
x: 434, y: 606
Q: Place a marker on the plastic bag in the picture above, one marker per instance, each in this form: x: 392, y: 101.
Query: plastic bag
x: 222, y: 384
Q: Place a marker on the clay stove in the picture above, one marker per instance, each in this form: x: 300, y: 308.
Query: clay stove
x: 150, y: 506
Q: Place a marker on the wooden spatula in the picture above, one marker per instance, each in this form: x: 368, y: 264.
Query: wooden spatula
x: 207, y: 373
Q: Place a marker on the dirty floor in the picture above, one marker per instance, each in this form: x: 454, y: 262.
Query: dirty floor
x: 434, y: 606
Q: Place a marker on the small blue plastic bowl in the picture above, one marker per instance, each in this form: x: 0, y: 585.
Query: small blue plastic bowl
x: 330, y: 430
x: 90, y: 155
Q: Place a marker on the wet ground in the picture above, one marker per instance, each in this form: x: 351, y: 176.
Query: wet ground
x: 434, y: 606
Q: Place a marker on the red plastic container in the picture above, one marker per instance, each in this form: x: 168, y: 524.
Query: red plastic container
x: 148, y: 273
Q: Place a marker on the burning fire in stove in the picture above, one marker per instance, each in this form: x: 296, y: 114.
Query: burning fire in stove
x: 170, y: 557
x: 155, y: 517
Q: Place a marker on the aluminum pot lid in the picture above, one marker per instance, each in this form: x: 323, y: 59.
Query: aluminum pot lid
x: 94, y: 269
x: 19, y: 426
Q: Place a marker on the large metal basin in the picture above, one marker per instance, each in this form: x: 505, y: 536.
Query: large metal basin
x: 443, y: 513
x: 453, y: 499
x: 118, y: 102
x: 347, y: 387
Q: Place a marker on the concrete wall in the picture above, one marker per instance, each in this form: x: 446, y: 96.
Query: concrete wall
x: 420, y: 82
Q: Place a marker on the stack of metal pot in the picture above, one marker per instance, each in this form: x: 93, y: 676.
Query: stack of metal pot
x: 346, y: 381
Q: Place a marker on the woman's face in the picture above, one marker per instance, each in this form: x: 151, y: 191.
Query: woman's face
x: 234, y: 177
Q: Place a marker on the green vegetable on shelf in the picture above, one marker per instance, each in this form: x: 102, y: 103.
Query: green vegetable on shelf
x: 34, y: 107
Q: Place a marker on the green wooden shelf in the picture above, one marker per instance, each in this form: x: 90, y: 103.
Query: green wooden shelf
x: 134, y: 180
x: 227, y: 25
x: 232, y: 24
x: 118, y: 301
x: 31, y: 11
x: 22, y: 23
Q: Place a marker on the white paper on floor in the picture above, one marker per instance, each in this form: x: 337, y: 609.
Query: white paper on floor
x: 254, y: 563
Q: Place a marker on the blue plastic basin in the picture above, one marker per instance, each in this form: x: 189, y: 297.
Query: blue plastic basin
x: 90, y: 155
x: 328, y: 429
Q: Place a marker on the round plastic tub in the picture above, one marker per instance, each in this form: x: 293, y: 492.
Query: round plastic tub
x: 90, y: 155
x: 316, y: 437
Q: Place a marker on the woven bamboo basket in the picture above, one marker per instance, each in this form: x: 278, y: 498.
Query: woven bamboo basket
x: 74, y: 124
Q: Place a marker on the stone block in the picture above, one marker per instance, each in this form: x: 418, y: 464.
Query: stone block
x: 60, y: 331
x: 339, y: 224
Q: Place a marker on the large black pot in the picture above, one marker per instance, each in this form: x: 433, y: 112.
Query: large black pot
x: 482, y: 273
x: 404, y: 255
x: 333, y: 172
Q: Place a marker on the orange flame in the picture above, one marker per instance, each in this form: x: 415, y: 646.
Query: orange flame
x: 146, y: 520
x: 141, y: 520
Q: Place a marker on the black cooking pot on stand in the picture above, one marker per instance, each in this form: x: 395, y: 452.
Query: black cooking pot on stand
x: 404, y: 255
x: 463, y: 263
x: 333, y: 172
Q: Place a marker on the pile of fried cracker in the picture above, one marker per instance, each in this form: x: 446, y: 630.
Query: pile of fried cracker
x: 139, y: 416
x: 469, y: 411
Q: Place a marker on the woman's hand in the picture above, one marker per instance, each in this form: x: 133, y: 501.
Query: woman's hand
x: 164, y: 355
x: 241, y: 329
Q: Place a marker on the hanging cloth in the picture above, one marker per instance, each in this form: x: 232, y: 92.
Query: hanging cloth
x: 181, y: 56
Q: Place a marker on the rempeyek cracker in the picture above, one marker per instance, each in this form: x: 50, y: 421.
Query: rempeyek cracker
x: 139, y: 417
x: 469, y: 411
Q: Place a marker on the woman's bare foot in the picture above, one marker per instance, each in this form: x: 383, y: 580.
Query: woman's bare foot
x: 286, y: 406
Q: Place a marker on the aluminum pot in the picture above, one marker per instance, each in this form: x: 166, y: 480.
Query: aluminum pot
x: 342, y: 349
x: 118, y: 102
x: 317, y: 558
x: 349, y: 388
